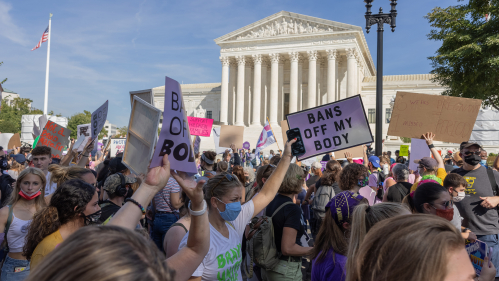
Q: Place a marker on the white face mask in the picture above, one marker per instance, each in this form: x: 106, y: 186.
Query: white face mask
x: 460, y: 196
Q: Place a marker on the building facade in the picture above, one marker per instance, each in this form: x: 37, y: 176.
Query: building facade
x: 289, y: 62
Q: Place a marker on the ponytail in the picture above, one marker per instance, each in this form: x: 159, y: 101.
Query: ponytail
x: 60, y: 174
x: 44, y: 223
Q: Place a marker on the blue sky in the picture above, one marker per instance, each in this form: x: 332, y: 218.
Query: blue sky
x: 104, y: 49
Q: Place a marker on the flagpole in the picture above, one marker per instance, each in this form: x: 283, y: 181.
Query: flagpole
x: 275, y: 137
x: 45, y: 104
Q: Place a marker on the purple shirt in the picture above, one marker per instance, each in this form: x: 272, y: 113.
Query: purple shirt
x: 329, y: 269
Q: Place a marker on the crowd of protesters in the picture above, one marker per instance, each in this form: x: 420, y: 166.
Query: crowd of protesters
x: 245, y: 216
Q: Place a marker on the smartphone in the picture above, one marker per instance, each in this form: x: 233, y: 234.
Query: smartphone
x: 297, y: 148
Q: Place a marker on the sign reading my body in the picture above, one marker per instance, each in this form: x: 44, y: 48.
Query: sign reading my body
x: 177, y: 127
x: 339, y: 125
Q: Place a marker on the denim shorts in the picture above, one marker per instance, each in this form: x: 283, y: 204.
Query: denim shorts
x: 9, y: 267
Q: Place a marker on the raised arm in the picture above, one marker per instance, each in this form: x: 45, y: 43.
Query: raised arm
x: 366, y: 161
x: 429, y: 141
x: 272, y: 184
x: 66, y: 160
x: 84, y: 155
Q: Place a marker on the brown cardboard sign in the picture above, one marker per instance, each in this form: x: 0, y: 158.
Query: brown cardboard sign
x: 231, y: 135
x: 451, y: 119
x: 284, y: 128
x: 356, y: 151
x: 15, y: 141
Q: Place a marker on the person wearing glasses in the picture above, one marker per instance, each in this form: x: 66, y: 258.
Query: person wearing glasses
x: 228, y: 219
x: 430, y: 168
x: 432, y: 198
x: 478, y: 208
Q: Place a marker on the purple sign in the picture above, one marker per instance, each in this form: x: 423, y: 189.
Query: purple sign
x: 334, y: 126
x: 246, y: 145
x: 323, y: 163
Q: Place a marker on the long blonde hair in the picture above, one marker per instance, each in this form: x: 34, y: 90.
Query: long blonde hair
x: 365, y: 217
x: 40, y: 200
x: 61, y: 174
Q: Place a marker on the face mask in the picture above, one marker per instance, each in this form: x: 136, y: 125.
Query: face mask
x: 246, y: 177
x: 460, y: 196
x: 232, y: 210
x: 447, y: 214
x: 473, y: 160
x: 29, y: 197
x: 483, y: 162
x: 363, y: 182
x: 92, y: 218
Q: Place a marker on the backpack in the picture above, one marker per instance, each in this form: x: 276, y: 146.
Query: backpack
x: 323, y: 195
x: 260, y: 243
x: 380, y: 182
x: 6, y: 182
x: 253, y: 162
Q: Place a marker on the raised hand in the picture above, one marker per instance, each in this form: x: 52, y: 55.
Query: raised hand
x: 158, y: 176
x: 192, y: 189
x: 287, y: 149
x: 348, y: 156
x: 428, y: 137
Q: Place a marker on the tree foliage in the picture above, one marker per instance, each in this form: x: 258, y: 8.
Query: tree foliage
x: 467, y: 63
x: 122, y: 131
x: 11, y: 115
x: 80, y: 119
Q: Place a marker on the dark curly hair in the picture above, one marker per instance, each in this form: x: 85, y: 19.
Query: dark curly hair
x: 71, y: 194
x: 332, y: 172
x: 349, y: 176
x: 41, y: 150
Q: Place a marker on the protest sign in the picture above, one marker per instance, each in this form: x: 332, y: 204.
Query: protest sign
x: 308, y: 162
x: 231, y: 135
x: 200, y: 126
x: 246, y: 145
x: 356, y: 152
x: 4, y: 140
x: 117, y: 146
x: 477, y: 251
x: 141, y: 136
x: 145, y: 95
x: 404, y: 150
x: 83, y: 129
x: 84, y: 143
x: 334, y: 126
x: 15, y: 141
x: 216, y: 139
x: 175, y: 136
x: 419, y: 149
x: 284, y: 128
x: 196, y: 144
x: 56, y: 137
x: 99, y: 119
x: 79, y: 141
x: 451, y: 119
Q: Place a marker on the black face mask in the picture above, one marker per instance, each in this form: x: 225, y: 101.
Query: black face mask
x: 92, y: 218
x: 472, y: 159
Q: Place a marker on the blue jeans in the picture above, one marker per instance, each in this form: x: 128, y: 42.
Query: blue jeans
x: 492, y: 241
x: 9, y: 267
x: 161, y: 224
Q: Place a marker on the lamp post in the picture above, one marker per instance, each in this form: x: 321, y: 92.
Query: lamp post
x: 380, y: 19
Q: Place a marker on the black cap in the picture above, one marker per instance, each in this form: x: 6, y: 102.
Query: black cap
x: 468, y: 145
x: 115, y: 165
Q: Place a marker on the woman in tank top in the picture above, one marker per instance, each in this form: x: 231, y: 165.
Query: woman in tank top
x: 178, y: 230
x: 26, y: 199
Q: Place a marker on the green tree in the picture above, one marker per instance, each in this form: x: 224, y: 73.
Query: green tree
x: 80, y: 119
x: 11, y: 115
x: 405, y: 140
x: 122, y: 131
x: 467, y: 63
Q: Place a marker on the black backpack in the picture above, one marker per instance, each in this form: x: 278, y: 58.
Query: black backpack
x: 6, y: 182
x: 323, y: 195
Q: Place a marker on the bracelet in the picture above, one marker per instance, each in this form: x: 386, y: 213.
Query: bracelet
x: 198, y: 213
x: 431, y: 146
x: 85, y: 155
x: 137, y: 204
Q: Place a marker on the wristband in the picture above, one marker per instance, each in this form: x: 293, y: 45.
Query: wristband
x: 137, y: 204
x: 431, y: 146
x: 85, y: 155
x: 198, y: 213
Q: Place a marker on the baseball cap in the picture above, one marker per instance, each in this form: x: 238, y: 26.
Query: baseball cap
x: 19, y: 158
x: 115, y: 165
x: 469, y: 144
x: 449, y: 151
x: 317, y: 165
x: 113, y: 181
x: 427, y: 162
x: 342, y: 205
x: 456, y: 157
x: 374, y: 160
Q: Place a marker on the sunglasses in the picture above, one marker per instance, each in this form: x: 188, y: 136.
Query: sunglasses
x: 447, y: 204
x: 228, y: 177
x: 468, y: 153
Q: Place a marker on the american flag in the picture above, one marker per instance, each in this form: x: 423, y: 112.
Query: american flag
x: 45, y: 37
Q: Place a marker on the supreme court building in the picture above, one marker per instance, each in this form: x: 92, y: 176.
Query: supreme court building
x: 285, y: 63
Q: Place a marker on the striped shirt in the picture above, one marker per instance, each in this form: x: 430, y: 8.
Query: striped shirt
x: 162, y: 198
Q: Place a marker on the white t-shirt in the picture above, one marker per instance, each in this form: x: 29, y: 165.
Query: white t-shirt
x: 223, y: 261
x: 50, y: 187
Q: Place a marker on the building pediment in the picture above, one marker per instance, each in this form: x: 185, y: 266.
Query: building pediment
x: 286, y: 24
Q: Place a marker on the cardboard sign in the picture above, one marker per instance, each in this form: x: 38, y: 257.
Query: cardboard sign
x: 216, y: 139
x: 334, y: 126
x: 478, y: 251
x: 15, y: 141
x: 404, y: 150
x: 79, y: 141
x: 99, y: 119
x: 231, y: 135
x: 4, y: 140
x: 419, y: 149
x: 117, y: 146
x: 357, y: 152
x: 141, y: 136
x: 175, y: 136
x: 197, y: 144
x: 284, y: 128
x: 56, y: 137
x: 451, y: 119
x: 83, y: 129
x: 200, y: 126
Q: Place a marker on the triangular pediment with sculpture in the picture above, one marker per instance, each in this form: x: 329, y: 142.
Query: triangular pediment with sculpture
x: 285, y: 24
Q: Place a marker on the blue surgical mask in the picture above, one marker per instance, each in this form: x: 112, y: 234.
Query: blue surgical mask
x: 363, y: 182
x: 483, y: 162
x: 231, y: 212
